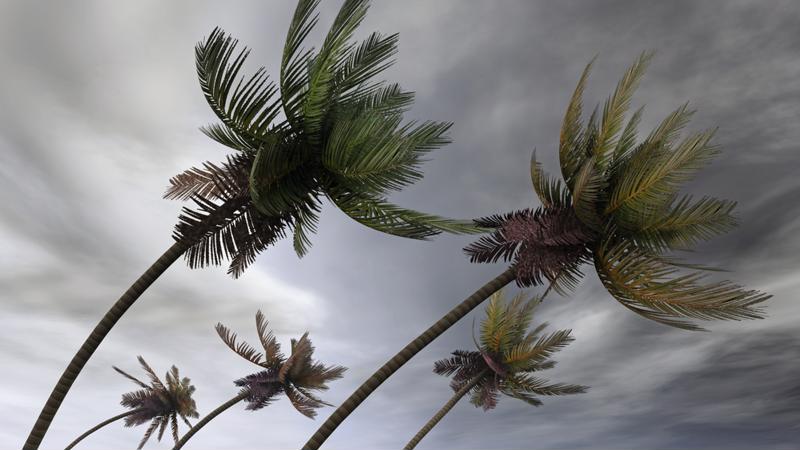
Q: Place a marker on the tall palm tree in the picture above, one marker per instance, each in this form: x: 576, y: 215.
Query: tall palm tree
x: 158, y: 403
x: 341, y: 138
x: 617, y: 208
x: 507, y: 353
x: 296, y: 376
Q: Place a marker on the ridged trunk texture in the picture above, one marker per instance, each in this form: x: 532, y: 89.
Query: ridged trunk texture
x: 114, y: 314
x: 100, y: 425
x: 441, y: 413
x: 404, y: 355
x: 208, y: 418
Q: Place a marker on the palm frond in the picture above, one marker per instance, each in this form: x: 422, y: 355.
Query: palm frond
x: 130, y: 377
x: 321, y: 76
x: 570, y: 155
x: 154, y: 380
x: 294, y: 75
x: 686, y: 223
x: 247, y: 111
x: 242, y: 349
x: 551, y: 192
x: 460, y: 360
x: 650, y: 288
x: 272, y: 348
x: 152, y: 428
x: 615, y: 108
x: 655, y: 172
x: 204, y: 182
x: 538, y: 386
x: 626, y: 142
x: 303, y: 404
x: 587, y: 194
x: 380, y: 215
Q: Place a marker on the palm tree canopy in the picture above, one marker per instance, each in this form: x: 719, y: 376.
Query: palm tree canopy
x: 507, y: 353
x: 159, y: 403
x: 618, y: 207
x: 296, y: 375
x: 341, y: 137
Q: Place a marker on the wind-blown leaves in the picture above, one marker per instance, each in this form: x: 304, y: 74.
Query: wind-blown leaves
x: 551, y: 192
x: 653, y: 289
x: 570, y: 154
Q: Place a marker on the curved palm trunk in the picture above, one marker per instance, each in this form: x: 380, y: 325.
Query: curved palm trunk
x: 208, y: 418
x: 404, y: 355
x: 100, y: 425
x: 445, y: 409
x: 113, y: 315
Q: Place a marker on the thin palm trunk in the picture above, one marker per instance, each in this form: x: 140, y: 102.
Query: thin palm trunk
x: 100, y: 425
x: 441, y: 413
x: 208, y: 418
x: 404, y: 356
x: 113, y: 315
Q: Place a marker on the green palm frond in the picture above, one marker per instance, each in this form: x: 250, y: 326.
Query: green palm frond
x: 650, y: 288
x: 654, y: 175
x: 551, y: 192
x: 615, y: 108
x: 626, y: 142
x: 246, y: 110
x: 570, y: 154
x: 322, y: 75
x: 294, y: 63
x: 305, y: 222
x: 588, y: 193
x: 533, y: 385
x: 386, y: 217
x: 686, y: 223
x: 526, y: 353
x: 363, y: 63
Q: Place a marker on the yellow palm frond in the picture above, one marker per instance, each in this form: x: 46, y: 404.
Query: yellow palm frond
x: 570, y: 155
x: 552, y: 193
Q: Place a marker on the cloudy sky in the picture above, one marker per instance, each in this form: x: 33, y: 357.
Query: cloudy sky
x: 101, y: 106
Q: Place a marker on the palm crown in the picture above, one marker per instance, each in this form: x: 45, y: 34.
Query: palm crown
x: 340, y: 137
x: 296, y: 376
x: 618, y: 207
x: 160, y: 403
x: 506, y: 356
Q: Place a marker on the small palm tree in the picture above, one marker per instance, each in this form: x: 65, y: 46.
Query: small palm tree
x: 341, y: 138
x: 157, y: 403
x: 507, y: 353
x: 296, y: 376
x: 617, y: 208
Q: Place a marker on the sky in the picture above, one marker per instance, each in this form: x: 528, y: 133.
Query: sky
x: 101, y: 106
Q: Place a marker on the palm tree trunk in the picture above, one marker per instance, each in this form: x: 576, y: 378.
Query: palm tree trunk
x: 115, y: 313
x: 208, y: 418
x: 445, y: 409
x: 404, y: 355
x: 100, y: 425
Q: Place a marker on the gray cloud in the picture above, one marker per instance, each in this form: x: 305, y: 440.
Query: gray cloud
x: 101, y: 107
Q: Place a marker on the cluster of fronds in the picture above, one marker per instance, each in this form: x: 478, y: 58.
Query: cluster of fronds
x: 549, y: 243
x: 621, y: 201
x: 159, y: 403
x: 296, y: 375
x: 342, y: 138
x: 506, y: 356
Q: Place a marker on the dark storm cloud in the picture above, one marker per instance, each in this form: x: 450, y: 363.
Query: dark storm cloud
x: 101, y: 107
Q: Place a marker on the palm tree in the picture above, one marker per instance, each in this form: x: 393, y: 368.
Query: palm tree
x: 157, y: 403
x: 296, y: 376
x: 507, y: 353
x: 340, y: 138
x: 617, y: 208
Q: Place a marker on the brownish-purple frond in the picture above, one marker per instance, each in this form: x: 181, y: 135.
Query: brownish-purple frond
x: 546, y: 243
x: 461, y: 360
x: 262, y: 388
x: 206, y: 183
x: 242, y: 349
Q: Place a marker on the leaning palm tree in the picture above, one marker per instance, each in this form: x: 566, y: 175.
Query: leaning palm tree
x: 340, y: 138
x: 617, y: 208
x: 296, y: 376
x: 503, y: 360
x: 157, y: 403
